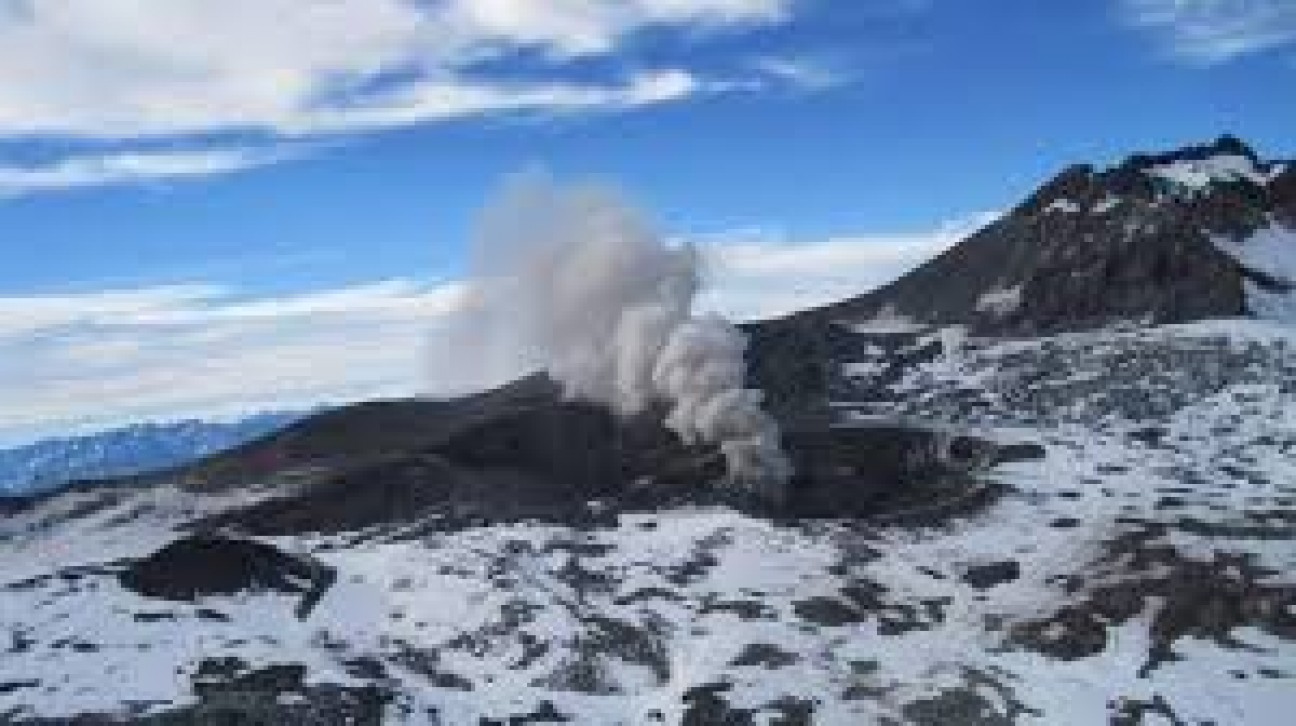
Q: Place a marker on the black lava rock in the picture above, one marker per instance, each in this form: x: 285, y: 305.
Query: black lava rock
x: 206, y: 564
x: 984, y: 577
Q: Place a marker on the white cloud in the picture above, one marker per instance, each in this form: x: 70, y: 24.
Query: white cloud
x: 75, y: 361
x: 1209, y: 32
x: 757, y: 278
x: 586, y: 27
x: 800, y: 72
x: 131, y: 167
x: 132, y: 70
x: 435, y: 100
x: 135, y: 68
x: 26, y: 315
x: 72, y: 362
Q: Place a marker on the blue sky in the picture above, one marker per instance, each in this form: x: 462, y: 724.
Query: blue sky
x: 255, y: 181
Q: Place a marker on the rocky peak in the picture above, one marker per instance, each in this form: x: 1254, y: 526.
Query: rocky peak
x: 1076, y: 184
x: 1198, y: 232
x: 1178, y: 175
x: 1225, y: 146
x: 1194, y: 169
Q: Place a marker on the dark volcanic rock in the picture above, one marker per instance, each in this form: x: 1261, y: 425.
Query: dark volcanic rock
x: 881, y: 470
x: 343, y: 438
x: 230, y: 693
x: 764, y: 655
x: 706, y: 707
x: 216, y: 565
x: 984, y: 577
x: 1203, y: 599
x: 386, y: 492
x: 956, y: 706
x: 567, y: 453
x: 1069, y: 634
x: 876, y: 471
x: 826, y: 611
x: 560, y: 461
x: 793, y: 362
x: 1096, y: 247
x: 546, y: 712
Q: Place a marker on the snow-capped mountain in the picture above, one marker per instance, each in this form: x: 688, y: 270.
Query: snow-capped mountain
x: 1090, y: 524
x: 1205, y: 231
x: 51, y: 463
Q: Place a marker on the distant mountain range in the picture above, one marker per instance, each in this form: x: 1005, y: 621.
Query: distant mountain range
x: 51, y: 463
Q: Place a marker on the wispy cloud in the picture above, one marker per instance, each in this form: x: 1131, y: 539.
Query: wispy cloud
x: 72, y: 172
x: 758, y: 276
x: 29, y: 315
x: 135, y: 68
x: 89, y: 360
x: 801, y: 72
x: 436, y: 100
x: 119, y: 72
x: 1209, y: 32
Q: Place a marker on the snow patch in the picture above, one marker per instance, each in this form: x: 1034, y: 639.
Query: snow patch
x: 863, y: 368
x: 1106, y: 205
x: 1271, y: 251
x: 1201, y: 173
x: 1065, y: 206
x: 887, y: 320
x: 1000, y: 301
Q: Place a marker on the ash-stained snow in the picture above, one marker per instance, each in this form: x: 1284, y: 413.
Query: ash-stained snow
x: 1143, y: 569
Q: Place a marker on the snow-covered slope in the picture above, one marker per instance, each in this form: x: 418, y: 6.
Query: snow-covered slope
x: 1140, y: 572
x: 1271, y: 253
x: 47, y: 464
